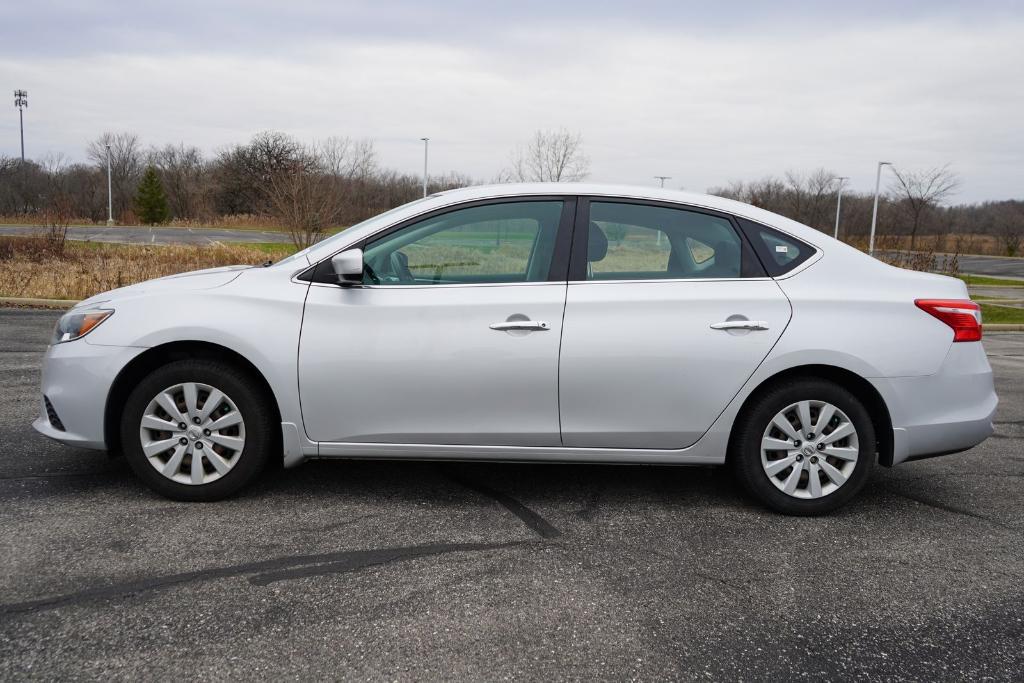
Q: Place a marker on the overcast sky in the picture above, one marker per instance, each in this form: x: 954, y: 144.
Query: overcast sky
x: 703, y: 92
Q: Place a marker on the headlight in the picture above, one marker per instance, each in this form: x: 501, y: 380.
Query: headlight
x: 76, y: 324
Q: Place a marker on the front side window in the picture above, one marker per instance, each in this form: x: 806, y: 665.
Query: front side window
x: 489, y: 243
x: 628, y: 241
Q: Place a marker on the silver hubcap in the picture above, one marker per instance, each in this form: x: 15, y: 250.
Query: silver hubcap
x: 809, y: 449
x: 192, y: 433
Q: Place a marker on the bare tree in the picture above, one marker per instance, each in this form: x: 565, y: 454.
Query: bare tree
x: 243, y: 171
x: 305, y: 197
x: 56, y: 218
x: 549, y: 156
x: 183, y: 173
x: 347, y: 158
x: 811, y: 197
x: 127, y: 161
x: 1008, y: 224
x: 921, y: 191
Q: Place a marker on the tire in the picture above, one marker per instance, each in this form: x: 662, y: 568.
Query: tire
x: 784, y: 478
x: 230, y: 445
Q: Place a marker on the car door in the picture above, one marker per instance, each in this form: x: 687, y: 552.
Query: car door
x: 453, y: 336
x: 668, y: 313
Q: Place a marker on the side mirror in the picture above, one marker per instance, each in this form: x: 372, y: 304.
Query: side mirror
x: 348, y: 266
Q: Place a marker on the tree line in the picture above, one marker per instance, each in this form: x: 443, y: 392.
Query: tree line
x: 912, y: 207
x: 308, y: 188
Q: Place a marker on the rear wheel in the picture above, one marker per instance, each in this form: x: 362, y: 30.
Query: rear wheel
x: 197, y: 430
x: 805, y: 447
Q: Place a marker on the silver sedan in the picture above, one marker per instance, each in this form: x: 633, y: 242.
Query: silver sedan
x: 547, y: 322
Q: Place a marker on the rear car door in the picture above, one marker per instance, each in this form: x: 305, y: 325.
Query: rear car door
x: 668, y: 313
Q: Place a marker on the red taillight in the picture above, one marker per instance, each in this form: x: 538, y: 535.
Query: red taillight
x: 963, y: 315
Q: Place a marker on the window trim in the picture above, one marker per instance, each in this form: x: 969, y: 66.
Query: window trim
x: 760, y: 248
x: 320, y: 273
x: 578, y: 262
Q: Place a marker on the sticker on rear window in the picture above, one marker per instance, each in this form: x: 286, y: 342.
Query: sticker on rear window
x: 782, y: 248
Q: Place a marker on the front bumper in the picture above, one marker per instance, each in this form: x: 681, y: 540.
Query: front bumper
x: 77, y: 377
x: 947, y: 412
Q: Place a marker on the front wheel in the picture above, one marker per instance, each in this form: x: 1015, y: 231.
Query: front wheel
x: 197, y: 430
x: 805, y: 447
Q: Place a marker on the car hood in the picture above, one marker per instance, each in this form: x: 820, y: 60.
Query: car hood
x: 207, y: 278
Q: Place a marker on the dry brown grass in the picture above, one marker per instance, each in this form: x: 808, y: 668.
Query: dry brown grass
x: 233, y: 222
x: 962, y: 243
x: 31, y: 268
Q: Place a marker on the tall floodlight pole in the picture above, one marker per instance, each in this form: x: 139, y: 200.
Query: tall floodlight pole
x: 426, y: 144
x: 663, y: 178
x: 874, y: 212
x: 21, y: 101
x: 839, y: 201
x: 110, y: 192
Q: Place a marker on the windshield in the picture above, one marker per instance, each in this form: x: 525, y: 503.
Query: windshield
x: 382, y: 218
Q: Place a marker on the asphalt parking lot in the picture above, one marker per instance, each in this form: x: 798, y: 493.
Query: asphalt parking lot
x: 364, y: 570
x: 159, y: 235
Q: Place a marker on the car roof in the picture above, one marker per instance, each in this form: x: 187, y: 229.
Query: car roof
x: 696, y: 199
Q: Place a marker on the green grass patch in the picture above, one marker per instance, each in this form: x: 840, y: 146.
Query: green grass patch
x: 990, y: 281
x: 1001, y: 314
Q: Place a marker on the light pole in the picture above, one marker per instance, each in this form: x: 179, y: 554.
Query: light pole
x: 110, y: 192
x: 839, y: 201
x: 426, y: 145
x: 663, y: 178
x: 21, y: 102
x: 874, y: 212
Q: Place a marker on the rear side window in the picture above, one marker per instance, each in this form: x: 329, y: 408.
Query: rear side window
x: 633, y: 241
x: 779, y: 252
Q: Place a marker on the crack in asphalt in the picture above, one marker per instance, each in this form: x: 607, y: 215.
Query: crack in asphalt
x: 955, y: 510
x: 360, y: 559
x: 266, y: 572
x: 538, y: 524
x: 57, y: 475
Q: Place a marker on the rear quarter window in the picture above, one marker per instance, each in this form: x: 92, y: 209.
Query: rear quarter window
x: 779, y: 253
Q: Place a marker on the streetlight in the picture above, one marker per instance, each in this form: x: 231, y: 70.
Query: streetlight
x: 663, y: 178
x: 426, y: 144
x: 21, y: 102
x: 874, y: 212
x: 839, y: 200
x: 110, y: 193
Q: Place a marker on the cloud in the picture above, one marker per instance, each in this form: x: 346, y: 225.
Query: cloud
x: 693, y: 99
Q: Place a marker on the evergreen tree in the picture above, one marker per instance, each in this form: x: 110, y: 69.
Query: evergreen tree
x: 150, y: 200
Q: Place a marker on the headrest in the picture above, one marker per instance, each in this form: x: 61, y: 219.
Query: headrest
x: 597, y: 243
x: 727, y: 248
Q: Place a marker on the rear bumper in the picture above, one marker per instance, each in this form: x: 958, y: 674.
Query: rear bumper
x: 77, y: 377
x: 947, y: 412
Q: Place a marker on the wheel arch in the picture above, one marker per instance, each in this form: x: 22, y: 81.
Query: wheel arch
x: 851, y: 381
x: 157, y: 356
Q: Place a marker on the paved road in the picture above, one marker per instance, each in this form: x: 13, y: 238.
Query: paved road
x: 994, y: 266
x: 486, y: 571
x: 158, y: 235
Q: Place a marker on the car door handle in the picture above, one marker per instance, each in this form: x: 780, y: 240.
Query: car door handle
x: 741, y: 325
x: 538, y: 325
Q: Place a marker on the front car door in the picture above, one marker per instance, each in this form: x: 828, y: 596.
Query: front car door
x: 654, y: 344
x: 453, y: 336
